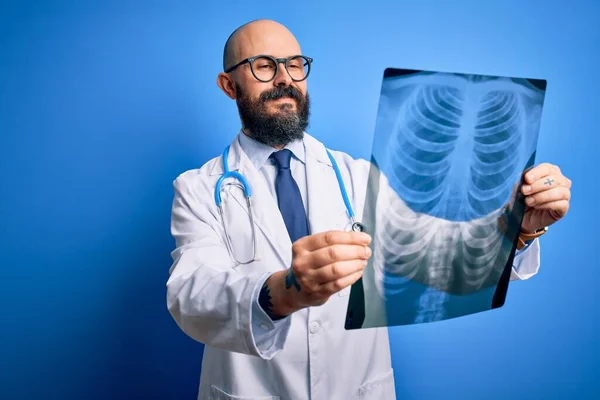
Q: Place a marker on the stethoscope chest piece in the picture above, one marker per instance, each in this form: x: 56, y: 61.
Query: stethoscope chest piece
x: 358, y: 227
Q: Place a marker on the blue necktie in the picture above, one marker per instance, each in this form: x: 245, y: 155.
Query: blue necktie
x: 289, y: 198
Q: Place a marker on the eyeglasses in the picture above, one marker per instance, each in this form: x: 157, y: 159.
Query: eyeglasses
x: 265, y: 68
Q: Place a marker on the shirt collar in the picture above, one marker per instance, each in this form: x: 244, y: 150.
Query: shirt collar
x: 259, y: 153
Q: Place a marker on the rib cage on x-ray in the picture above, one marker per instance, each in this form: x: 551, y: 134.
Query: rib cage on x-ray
x: 453, y: 156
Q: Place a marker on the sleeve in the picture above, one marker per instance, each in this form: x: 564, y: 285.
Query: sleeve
x: 268, y: 335
x: 210, y: 300
x: 527, y: 261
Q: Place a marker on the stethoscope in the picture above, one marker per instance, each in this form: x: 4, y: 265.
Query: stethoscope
x: 355, y: 225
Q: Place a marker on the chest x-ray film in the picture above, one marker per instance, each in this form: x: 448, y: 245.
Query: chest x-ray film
x: 443, y: 202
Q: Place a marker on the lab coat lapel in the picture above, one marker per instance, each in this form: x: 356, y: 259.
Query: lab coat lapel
x: 264, y: 207
x: 325, y: 203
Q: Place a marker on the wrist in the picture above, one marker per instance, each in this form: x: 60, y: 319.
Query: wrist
x: 274, y: 298
x: 527, y: 230
x: 526, y: 236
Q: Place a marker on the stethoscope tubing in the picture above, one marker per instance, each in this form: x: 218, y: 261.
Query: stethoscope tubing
x: 356, y: 226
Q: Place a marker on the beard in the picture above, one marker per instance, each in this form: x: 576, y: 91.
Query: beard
x: 279, y: 128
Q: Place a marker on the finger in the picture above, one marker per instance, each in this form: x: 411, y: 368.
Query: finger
x: 332, y: 287
x: 336, y: 271
x: 325, y: 239
x: 569, y: 182
x: 307, y: 261
x: 545, y: 183
x: 560, y: 207
x: 554, y: 194
x: 540, y: 172
x: 338, y: 252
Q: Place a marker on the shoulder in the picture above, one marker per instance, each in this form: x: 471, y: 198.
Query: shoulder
x: 199, y: 181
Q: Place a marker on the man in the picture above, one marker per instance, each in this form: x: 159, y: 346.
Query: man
x: 271, y: 312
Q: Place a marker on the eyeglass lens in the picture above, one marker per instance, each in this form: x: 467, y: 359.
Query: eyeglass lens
x: 264, y: 68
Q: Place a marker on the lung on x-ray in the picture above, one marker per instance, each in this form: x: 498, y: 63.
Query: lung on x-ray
x: 443, y: 202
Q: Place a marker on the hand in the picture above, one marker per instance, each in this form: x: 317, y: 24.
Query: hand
x: 323, y: 264
x: 548, y: 194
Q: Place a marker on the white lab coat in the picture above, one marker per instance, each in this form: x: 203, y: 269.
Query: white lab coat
x: 308, y: 355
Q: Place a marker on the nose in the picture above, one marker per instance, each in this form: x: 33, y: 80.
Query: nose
x: 282, y: 78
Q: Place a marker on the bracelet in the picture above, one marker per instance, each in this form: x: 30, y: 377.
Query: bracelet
x: 525, y: 237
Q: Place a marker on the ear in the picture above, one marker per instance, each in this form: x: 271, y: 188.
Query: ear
x: 227, y: 85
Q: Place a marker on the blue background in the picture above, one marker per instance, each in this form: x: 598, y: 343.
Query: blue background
x: 104, y: 103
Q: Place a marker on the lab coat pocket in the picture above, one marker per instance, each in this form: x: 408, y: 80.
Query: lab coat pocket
x: 220, y: 394
x: 379, y: 388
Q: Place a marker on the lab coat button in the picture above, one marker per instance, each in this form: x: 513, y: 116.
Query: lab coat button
x: 314, y: 327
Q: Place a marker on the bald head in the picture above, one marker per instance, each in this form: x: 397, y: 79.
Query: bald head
x: 272, y: 101
x: 259, y: 37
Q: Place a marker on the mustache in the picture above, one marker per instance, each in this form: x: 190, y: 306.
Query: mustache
x: 281, y: 92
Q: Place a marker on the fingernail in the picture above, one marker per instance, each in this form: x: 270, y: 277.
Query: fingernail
x: 530, y: 201
x: 368, y: 252
x: 531, y: 177
x: 526, y: 189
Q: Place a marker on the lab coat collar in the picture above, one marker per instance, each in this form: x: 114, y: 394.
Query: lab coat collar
x: 316, y: 150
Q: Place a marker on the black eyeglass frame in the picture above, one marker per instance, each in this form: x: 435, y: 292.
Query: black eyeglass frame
x: 277, y: 61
